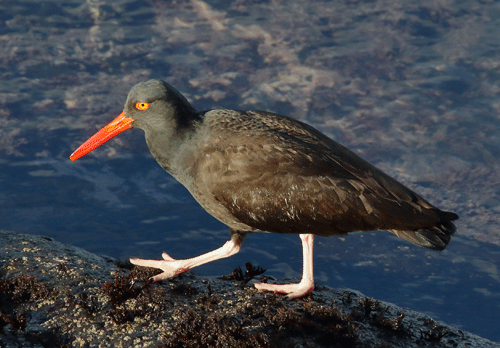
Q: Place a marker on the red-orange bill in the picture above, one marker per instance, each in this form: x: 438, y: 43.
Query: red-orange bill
x: 107, y: 132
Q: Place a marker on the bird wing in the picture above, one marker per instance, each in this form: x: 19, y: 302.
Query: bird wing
x: 276, y: 174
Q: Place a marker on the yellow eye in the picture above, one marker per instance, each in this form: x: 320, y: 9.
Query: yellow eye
x: 141, y: 106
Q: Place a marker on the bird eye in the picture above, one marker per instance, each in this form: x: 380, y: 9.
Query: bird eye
x: 141, y: 106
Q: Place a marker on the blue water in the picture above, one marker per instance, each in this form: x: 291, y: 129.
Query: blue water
x: 411, y: 88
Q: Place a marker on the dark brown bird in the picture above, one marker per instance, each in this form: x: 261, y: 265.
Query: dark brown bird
x: 256, y: 171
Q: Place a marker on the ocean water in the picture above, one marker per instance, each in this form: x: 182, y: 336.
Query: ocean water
x: 411, y: 87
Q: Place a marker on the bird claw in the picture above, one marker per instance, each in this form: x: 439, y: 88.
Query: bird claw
x: 170, y: 267
x: 290, y: 290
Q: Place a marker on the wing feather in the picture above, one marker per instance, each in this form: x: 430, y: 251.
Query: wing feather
x: 288, y: 177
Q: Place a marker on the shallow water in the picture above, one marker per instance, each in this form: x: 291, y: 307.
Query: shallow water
x: 413, y: 88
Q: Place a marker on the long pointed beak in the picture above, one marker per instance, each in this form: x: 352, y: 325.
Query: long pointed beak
x: 115, y: 127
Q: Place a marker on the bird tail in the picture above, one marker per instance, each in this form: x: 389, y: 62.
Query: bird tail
x: 436, y: 237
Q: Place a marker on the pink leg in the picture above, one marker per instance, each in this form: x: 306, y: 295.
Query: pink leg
x: 306, y: 285
x: 172, y: 267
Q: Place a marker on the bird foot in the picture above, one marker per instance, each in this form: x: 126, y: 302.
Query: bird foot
x: 290, y: 290
x: 170, y: 266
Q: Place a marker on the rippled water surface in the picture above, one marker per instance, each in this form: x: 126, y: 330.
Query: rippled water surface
x: 411, y: 87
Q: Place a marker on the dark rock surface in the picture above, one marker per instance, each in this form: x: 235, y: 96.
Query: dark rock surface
x: 55, y: 295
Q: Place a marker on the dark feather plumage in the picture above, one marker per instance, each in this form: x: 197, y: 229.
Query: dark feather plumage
x: 266, y: 172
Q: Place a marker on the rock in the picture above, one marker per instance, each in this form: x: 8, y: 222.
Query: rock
x: 55, y: 295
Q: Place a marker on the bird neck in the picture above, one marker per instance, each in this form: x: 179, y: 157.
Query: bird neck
x: 173, y: 149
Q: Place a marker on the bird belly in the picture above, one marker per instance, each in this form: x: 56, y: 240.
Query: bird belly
x: 254, y: 207
x: 219, y: 211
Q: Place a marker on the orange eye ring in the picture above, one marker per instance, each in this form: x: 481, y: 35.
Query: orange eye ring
x: 141, y: 106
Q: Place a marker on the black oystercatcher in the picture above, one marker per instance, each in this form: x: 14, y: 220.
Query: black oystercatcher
x: 256, y: 171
